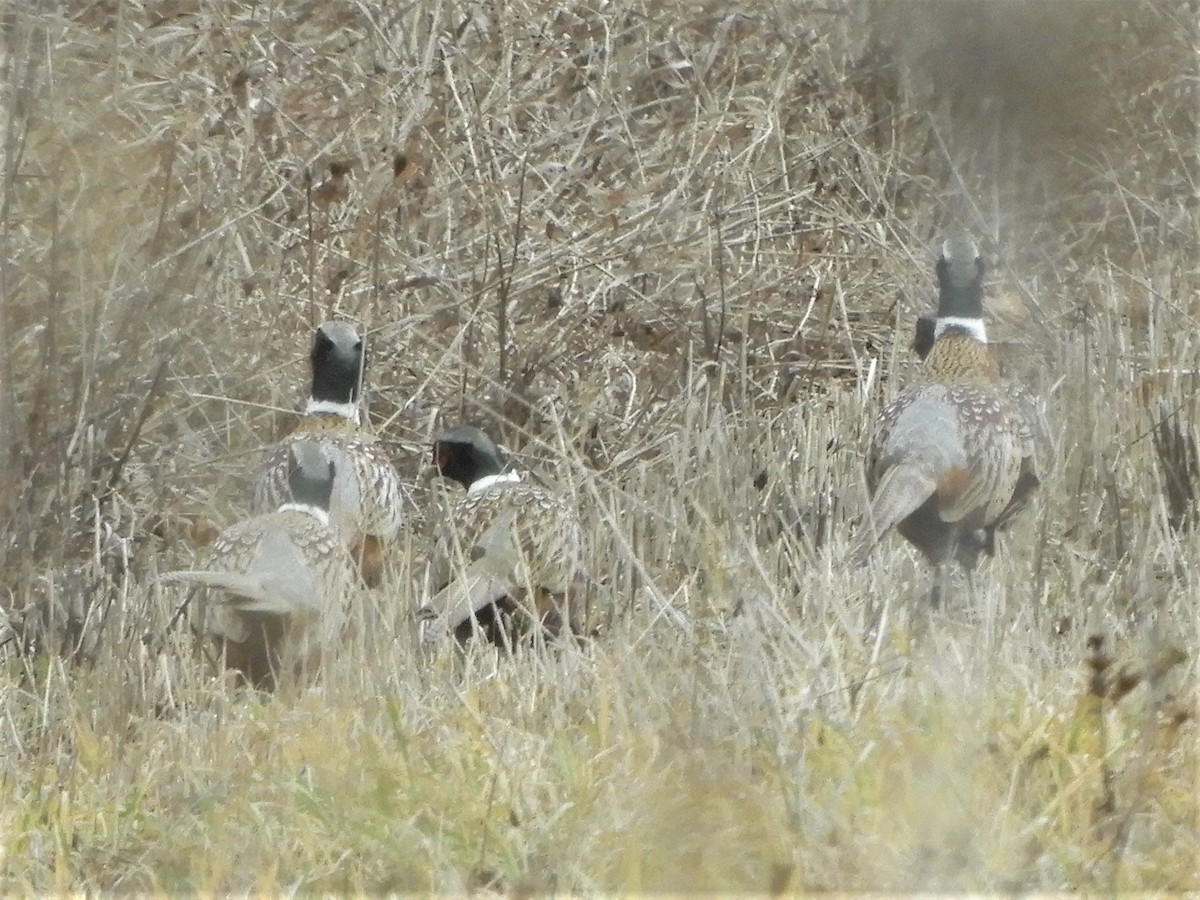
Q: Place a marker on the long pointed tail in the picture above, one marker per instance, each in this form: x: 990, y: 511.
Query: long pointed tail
x: 246, y: 591
x: 466, y: 595
x: 901, y: 492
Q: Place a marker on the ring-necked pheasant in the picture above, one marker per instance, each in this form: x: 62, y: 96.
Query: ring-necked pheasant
x: 370, y: 503
x: 508, y: 554
x: 278, y: 582
x: 952, y: 457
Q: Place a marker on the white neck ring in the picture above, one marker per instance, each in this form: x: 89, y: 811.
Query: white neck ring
x: 973, y: 327
x: 332, y: 407
x: 315, y: 511
x: 487, y: 481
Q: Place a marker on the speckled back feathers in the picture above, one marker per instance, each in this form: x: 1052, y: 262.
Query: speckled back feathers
x: 369, y: 498
x: 953, y: 454
x: 506, y: 545
x: 368, y: 494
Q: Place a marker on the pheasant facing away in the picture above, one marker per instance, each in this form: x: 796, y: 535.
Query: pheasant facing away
x: 951, y: 459
x: 369, y: 502
x: 278, y: 582
x: 509, y: 552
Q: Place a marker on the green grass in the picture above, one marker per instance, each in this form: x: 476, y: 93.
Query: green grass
x: 671, y: 255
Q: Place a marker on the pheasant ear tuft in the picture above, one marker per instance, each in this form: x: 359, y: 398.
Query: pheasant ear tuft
x: 960, y: 248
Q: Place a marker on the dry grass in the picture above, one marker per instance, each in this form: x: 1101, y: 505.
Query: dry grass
x: 671, y: 254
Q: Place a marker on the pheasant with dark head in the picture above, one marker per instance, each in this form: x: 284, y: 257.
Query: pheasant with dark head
x: 506, y: 559
x: 370, y: 503
x: 276, y: 584
x: 951, y: 459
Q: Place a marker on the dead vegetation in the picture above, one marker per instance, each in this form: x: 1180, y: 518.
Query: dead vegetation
x: 671, y: 254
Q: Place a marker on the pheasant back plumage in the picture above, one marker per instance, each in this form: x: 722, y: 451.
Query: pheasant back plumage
x: 952, y: 454
x: 960, y: 358
x: 524, y: 536
x: 368, y: 498
x: 507, y: 559
x: 274, y: 592
x: 297, y: 555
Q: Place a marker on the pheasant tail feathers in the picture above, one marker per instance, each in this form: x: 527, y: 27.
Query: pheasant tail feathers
x: 901, y: 492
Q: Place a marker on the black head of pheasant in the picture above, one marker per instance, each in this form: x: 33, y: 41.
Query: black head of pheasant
x: 338, y: 359
x: 960, y: 289
x: 954, y: 345
x: 467, y: 455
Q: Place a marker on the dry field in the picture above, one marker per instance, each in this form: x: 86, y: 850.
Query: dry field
x: 670, y: 253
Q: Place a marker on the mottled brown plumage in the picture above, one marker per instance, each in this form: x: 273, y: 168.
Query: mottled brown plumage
x: 370, y: 503
x: 951, y: 459
x: 509, y: 550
